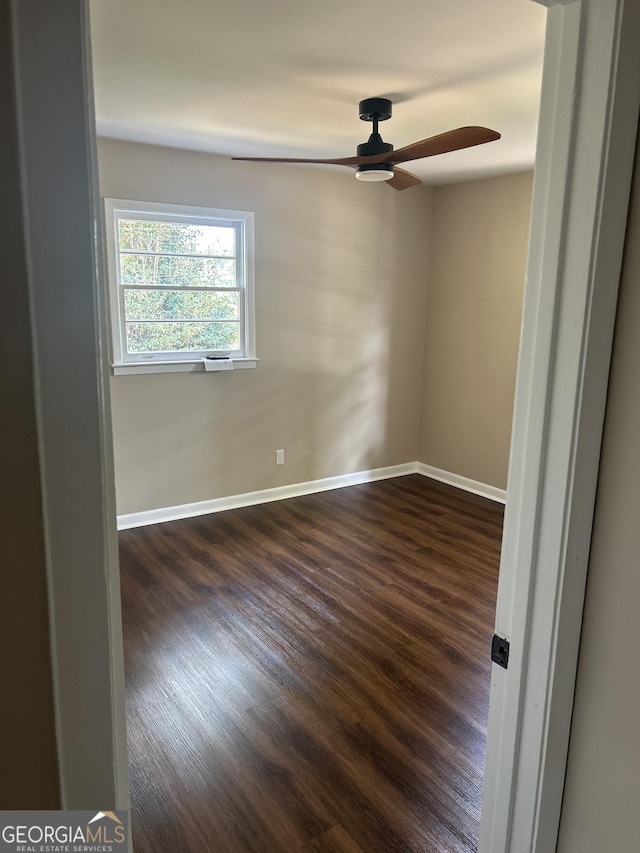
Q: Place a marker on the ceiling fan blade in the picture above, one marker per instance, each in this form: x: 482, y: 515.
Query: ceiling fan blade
x: 452, y: 140
x: 336, y: 161
x: 402, y: 180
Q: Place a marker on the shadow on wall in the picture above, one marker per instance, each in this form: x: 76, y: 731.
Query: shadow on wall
x: 355, y: 321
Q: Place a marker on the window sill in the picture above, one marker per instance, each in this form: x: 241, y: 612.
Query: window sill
x: 183, y: 366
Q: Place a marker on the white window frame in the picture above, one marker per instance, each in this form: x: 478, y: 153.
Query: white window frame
x: 243, y: 220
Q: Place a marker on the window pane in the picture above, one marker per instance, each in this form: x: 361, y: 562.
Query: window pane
x: 180, y: 305
x: 182, y: 337
x: 142, y: 235
x: 154, y: 271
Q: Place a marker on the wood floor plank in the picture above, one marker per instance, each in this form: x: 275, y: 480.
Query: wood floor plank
x: 335, y: 840
x: 312, y: 674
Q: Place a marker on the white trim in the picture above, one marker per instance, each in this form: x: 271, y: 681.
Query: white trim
x: 183, y: 366
x: 465, y: 483
x: 278, y: 493
x: 587, y: 133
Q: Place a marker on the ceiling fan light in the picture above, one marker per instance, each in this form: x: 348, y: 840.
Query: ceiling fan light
x: 374, y: 172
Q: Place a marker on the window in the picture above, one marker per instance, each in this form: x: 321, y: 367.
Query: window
x: 181, y: 285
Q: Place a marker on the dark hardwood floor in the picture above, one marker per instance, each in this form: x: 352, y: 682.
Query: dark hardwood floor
x: 312, y: 674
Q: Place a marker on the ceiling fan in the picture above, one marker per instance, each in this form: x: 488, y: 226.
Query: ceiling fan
x: 377, y: 161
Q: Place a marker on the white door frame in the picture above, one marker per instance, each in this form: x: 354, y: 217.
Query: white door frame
x: 586, y: 144
x: 56, y: 131
x: 581, y: 188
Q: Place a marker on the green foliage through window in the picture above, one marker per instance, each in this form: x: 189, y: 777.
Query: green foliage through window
x: 182, y: 337
x: 174, y: 305
x: 174, y: 265
x: 179, y: 238
x: 159, y: 271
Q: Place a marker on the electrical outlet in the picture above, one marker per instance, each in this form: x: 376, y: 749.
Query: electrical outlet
x: 279, y: 457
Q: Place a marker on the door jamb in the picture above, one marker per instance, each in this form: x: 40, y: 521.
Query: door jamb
x: 57, y: 152
x: 586, y: 144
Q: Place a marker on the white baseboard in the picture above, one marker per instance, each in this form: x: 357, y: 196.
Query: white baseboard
x: 461, y: 482
x: 173, y: 513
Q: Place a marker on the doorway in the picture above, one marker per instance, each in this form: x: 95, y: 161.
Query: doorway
x: 608, y: 184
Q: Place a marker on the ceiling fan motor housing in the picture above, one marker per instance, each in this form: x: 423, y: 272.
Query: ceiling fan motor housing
x: 374, y: 171
x: 374, y: 145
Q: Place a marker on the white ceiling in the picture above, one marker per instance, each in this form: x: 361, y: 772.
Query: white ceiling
x: 284, y: 77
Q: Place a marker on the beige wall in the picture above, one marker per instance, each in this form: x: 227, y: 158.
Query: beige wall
x: 479, y: 242
x: 347, y: 380
x: 602, y: 793
x: 341, y: 269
